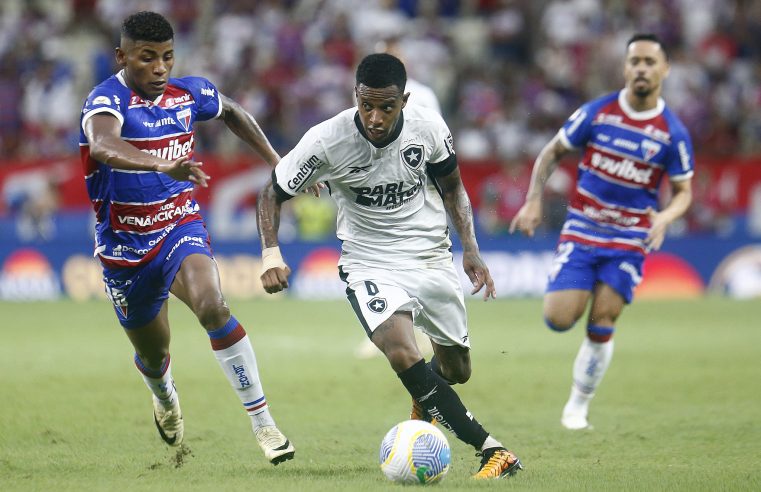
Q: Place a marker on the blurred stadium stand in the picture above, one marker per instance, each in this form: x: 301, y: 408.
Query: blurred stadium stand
x: 507, y: 72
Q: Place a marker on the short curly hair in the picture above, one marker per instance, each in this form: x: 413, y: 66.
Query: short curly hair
x: 147, y: 26
x: 381, y: 70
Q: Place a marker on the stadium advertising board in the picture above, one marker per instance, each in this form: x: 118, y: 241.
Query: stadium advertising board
x: 58, y: 263
x: 688, y: 267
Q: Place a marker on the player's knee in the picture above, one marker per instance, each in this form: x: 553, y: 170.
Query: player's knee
x: 559, y: 322
x: 153, y: 358
x: 599, y: 333
x: 459, y: 375
x: 212, y: 313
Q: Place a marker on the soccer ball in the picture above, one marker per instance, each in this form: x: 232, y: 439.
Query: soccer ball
x: 415, y: 451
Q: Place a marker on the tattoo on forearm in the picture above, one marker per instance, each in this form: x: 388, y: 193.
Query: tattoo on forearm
x: 268, y: 215
x: 460, y: 213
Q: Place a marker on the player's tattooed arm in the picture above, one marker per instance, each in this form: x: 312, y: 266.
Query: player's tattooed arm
x: 458, y: 207
x: 460, y: 213
x: 268, y: 216
x: 243, y: 124
x: 274, y: 269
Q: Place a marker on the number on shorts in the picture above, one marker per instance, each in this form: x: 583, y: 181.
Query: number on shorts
x: 372, y: 289
x: 117, y: 296
x: 561, y: 258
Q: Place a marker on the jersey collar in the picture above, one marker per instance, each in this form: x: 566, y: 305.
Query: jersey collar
x: 391, y: 138
x: 120, y: 78
x: 640, y: 115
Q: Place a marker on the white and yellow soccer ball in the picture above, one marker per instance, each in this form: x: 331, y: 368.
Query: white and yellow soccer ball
x: 415, y: 451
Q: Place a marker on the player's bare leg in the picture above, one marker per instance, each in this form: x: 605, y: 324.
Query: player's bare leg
x: 367, y: 349
x: 406, y: 344
x: 563, y: 308
x: 151, y: 343
x: 197, y: 285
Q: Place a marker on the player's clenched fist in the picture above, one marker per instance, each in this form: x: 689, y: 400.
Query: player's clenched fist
x: 275, y: 279
x: 274, y: 270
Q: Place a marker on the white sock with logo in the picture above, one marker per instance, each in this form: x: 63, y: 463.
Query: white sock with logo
x: 159, y: 381
x: 590, y: 366
x: 238, y: 362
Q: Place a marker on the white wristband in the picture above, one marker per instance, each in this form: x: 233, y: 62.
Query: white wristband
x: 272, y: 258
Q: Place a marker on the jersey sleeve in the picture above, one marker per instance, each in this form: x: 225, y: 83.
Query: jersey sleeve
x: 302, y: 167
x: 104, y: 99
x: 443, y: 159
x: 206, y: 95
x: 577, y: 130
x: 680, y: 161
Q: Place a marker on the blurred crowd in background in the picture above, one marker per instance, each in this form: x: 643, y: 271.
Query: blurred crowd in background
x: 507, y: 72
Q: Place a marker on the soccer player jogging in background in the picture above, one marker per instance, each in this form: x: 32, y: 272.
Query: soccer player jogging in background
x: 136, y: 142
x: 377, y: 162
x: 630, y: 140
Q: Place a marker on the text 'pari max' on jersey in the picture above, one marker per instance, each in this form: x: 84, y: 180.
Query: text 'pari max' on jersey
x: 626, y: 154
x: 135, y: 210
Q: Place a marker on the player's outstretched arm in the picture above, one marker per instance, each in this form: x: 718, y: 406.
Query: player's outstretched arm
x: 274, y: 269
x: 243, y: 124
x: 659, y: 221
x: 529, y: 216
x: 103, y: 132
x: 460, y: 212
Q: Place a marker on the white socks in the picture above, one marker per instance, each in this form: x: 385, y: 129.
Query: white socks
x: 238, y: 362
x: 590, y: 365
x: 159, y: 382
x: 589, y: 368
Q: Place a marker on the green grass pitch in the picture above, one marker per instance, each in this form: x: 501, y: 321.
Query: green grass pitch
x: 680, y: 407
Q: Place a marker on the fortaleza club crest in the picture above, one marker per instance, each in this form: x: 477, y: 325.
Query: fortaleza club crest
x: 184, y: 118
x: 377, y: 304
x: 412, y: 155
x: 649, y: 149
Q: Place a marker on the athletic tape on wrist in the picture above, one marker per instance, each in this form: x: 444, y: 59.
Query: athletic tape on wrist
x: 272, y: 258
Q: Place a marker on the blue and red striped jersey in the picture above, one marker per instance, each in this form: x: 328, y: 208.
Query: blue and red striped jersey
x: 135, y: 210
x: 625, y: 156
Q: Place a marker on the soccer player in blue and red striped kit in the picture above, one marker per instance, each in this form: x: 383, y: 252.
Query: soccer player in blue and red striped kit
x: 136, y: 141
x: 629, y: 142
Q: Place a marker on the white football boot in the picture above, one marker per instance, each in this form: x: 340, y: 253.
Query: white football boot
x: 277, y: 448
x: 169, y: 421
x: 576, y: 410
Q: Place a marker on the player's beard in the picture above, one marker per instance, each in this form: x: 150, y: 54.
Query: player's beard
x: 642, y: 90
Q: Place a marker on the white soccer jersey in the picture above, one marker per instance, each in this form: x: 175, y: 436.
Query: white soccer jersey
x: 389, y: 209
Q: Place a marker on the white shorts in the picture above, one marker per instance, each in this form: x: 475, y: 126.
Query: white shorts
x: 433, y: 295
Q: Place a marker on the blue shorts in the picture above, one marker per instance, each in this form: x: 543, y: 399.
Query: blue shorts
x: 138, y: 293
x: 577, y: 266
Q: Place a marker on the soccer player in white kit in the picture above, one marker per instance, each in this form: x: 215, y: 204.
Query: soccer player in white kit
x: 393, y: 175
x: 420, y: 95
